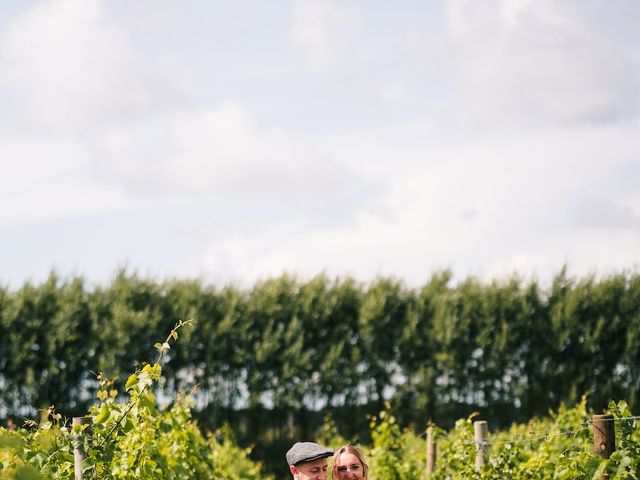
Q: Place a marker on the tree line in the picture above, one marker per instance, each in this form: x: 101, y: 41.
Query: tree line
x: 509, y: 348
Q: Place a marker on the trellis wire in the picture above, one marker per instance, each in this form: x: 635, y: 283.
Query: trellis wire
x: 518, y: 438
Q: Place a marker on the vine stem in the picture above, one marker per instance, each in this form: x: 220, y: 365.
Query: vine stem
x: 173, y: 334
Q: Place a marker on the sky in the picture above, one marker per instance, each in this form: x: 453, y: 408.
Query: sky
x: 237, y: 141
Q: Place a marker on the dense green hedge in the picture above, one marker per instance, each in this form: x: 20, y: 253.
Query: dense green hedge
x: 510, y: 349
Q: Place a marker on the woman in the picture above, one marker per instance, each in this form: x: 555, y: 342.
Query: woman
x: 349, y: 464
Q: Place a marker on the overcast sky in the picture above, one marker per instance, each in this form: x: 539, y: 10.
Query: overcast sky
x: 234, y: 141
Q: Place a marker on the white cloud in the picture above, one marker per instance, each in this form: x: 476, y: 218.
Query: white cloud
x: 537, y: 63
x: 44, y: 178
x: 596, y: 213
x: 65, y: 64
x: 584, y: 253
x: 511, y: 10
x: 486, y: 209
x: 215, y: 153
x: 546, y: 172
x: 321, y: 28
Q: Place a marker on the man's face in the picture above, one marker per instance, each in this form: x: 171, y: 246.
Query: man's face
x: 315, y: 470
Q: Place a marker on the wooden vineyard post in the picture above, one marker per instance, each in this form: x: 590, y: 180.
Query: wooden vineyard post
x: 79, y: 453
x: 604, y: 437
x: 480, y: 437
x: 431, y: 452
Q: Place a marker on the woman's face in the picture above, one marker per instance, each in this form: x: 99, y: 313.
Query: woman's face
x: 349, y: 467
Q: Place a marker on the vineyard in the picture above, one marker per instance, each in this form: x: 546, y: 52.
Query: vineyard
x: 558, y: 447
x: 138, y: 440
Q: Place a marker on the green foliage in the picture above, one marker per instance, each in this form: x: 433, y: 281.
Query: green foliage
x: 456, y: 452
x: 395, y: 455
x: 508, y: 349
x: 231, y: 462
x: 329, y: 434
x: 625, y: 461
x: 39, y: 451
x: 131, y: 440
x: 558, y: 447
x: 294, y: 350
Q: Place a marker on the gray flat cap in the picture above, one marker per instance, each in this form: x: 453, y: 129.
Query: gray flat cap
x: 303, y: 452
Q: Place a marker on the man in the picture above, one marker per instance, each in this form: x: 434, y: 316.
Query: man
x: 308, y: 461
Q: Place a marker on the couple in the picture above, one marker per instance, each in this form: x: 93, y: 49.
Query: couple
x: 308, y: 461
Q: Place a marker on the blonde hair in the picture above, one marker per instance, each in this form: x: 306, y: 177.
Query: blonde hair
x: 354, y: 451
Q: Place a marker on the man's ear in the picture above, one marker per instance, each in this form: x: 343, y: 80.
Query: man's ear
x: 293, y: 469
